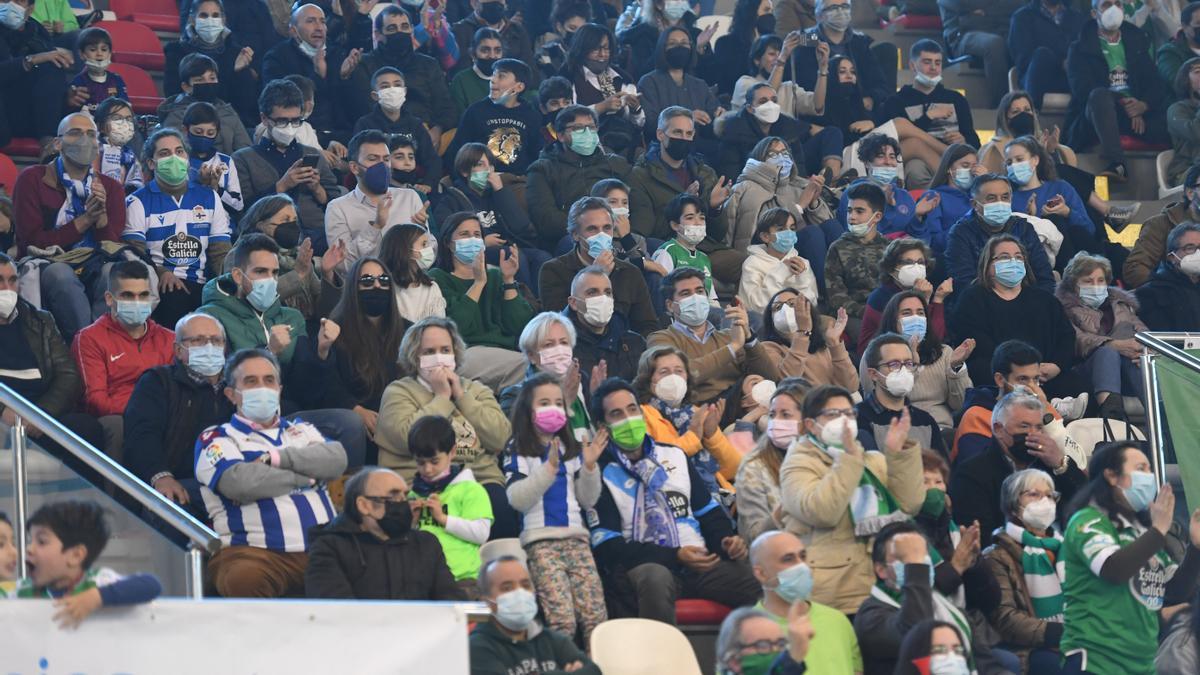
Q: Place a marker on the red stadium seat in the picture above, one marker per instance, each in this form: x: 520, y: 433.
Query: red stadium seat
x: 917, y: 22
x: 700, y: 612
x: 1135, y: 144
x: 142, y: 92
x: 160, y: 15
x: 134, y: 44
x: 23, y: 147
x: 8, y: 174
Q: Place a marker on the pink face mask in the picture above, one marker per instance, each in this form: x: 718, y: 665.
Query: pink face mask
x: 549, y: 420
x: 431, y: 362
x: 782, y: 432
x: 556, y: 359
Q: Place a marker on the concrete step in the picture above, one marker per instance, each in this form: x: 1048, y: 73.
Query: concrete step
x: 1142, y: 184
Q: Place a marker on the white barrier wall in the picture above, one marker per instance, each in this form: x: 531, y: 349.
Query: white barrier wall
x: 230, y: 637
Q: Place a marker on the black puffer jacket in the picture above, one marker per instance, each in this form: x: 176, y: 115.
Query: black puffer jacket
x: 558, y: 178
x: 345, y: 562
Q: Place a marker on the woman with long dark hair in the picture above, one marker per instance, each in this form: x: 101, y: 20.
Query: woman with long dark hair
x: 804, y: 343
x: 1118, y: 571
x: 604, y: 87
x: 933, y: 646
x: 1038, y: 191
x: 672, y: 83
x: 752, y: 19
x: 952, y: 181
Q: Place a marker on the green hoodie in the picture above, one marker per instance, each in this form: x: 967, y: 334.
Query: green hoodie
x: 543, y: 651
x: 244, y: 326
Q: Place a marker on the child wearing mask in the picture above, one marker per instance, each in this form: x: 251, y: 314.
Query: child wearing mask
x: 553, y: 94
x: 627, y: 244
x: 389, y: 92
x: 685, y: 215
x: 549, y: 478
x: 773, y: 263
x: 118, y: 158
x: 65, y: 539
x: 408, y: 251
x: 95, y: 46
x: 502, y: 121
x: 8, y: 556
x: 209, y: 167
x: 446, y: 500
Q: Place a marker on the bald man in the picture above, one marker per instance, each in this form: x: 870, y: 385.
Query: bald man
x: 371, y: 551
x: 780, y: 564
x: 67, y: 204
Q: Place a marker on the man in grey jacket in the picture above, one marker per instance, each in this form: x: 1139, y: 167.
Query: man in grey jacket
x: 264, y: 482
x: 980, y: 28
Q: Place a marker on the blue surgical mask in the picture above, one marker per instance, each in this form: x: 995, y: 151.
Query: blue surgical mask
x: 785, y: 240
x: 997, y: 214
x: 1142, y: 490
x: 784, y: 162
x: 1010, y: 273
x: 206, y: 360
x: 599, y: 243
x: 882, y: 174
x: 1093, y: 296
x: 963, y: 178
x: 467, y: 249
x: 584, y: 141
x: 795, y: 583
x: 693, y: 310
x: 1020, y: 172
x: 898, y: 568
x: 202, y: 146
x: 263, y: 293
x: 260, y: 404
x: 516, y: 609
x: 913, y: 326
x: 133, y: 312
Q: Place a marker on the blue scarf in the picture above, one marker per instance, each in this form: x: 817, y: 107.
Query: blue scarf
x: 652, y: 519
x: 76, y: 202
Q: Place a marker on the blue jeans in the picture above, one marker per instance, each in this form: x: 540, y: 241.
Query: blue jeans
x: 1045, y: 661
x: 1111, y: 372
x: 812, y: 243
x: 820, y: 146
x: 1045, y: 74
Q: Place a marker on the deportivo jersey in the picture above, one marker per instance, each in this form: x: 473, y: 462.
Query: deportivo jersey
x: 177, y: 234
x: 229, y: 187
x: 1114, y: 625
x: 622, y: 487
x: 276, y: 523
x: 558, y: 507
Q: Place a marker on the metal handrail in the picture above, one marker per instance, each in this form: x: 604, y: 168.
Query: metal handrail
x: 201, y: 536
x: 1154, y: 345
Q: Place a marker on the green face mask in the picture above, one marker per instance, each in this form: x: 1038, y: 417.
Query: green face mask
x: 479, y: 179
x: 935, y: 503
x: 629, y: 433
x: 171, y: 170
x: 757, y: 664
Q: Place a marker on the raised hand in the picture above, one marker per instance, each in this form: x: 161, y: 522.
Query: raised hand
x: 599, y: 375
x: 944, y: 289
x: 835, y: 330
x: 967, y: 551
x: 593, y: 449
x: 334, y: 256
x: 712, y: 421
x: 962, y: 352
x: 509, y: 262
x: 799, y: 631
x: 570, y: 381
x: 326, y: 337
x: 243, y: 59
x: 382, y: 210
x: 720, y: 192
x: 304, y: 258
x: 897, y: 432
x: 281, y: 337
x: 927, y: 202
x: 350, y: 63
x: 422, y: 215
x: 479, y: 269
x: 803, y: 313
x: 1162, y: 510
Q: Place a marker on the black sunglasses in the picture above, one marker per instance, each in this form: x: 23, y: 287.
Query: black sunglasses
x: 368, y: 280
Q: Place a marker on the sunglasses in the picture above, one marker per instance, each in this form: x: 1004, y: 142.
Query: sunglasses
x: 369, y: 280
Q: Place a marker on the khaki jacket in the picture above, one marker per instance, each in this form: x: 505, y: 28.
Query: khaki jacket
x: 815, y: 494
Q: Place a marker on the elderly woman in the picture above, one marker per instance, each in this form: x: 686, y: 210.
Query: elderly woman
x: 1105, y: 320
x: 1026, y: 561
x: 758, y: 475
x: 429, y: 356
x: 751, y: 642
x: 663, y: 386
x: 836, y: 496
x: 548, y: 343
x: 1118, y: 572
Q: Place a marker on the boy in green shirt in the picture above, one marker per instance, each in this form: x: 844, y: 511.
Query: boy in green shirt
x: 446, y: 501
x: 685, y: 214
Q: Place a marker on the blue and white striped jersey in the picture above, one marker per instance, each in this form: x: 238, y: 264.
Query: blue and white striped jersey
x: 277, y: 523
x: 177, y: 234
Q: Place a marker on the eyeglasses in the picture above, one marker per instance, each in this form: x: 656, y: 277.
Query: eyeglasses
x: 897, y: 365
x: 369, y: 281
x: 765, y: 646
x: 939, y: 650
x: 398, y: 499
x: 778, y: 154
x: 203, y: 341
x: 1037, y: 494
x: 294, y: 122
x: 584, y: 127
x: 1187, y: 250
x: 833, y: 413
x: 1007, y: 257
x: 76, y: 134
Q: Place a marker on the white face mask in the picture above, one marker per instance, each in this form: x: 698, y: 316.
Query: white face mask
x: 120, y: 132
x: 948, y: 664
x: 598, y: 310
x: 785, y: 320
x: 392, y: 98
x: 899, y: 382
x: 907, y: 275
x: 284, y: 135
x: 833, y: 431
x: 1190, y: 263
x: 1039, y: 515
x: 8, y: 302
x: 671, y: 389
x: 693, y: 234
x: 1111, y: 18
x: 767, y: 112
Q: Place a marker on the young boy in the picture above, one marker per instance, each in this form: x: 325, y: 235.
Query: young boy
x: 95, y: 46
x: 8, y: 556
x: 389, y: 92
x: 554, y: 94
x: 198, y: 78
x: 65, y: 538
x: 685, y: 214
x: 446, y: 500
x: 852, y: 265
x: 406, y: 172
x: 510, y: 127
x: 215, y: 169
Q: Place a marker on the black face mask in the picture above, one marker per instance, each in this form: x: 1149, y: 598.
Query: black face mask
x: 595, y: 66
x: 396, y: 520
x: 678, y: 149
x: 567, y: 37
x: 678, y: 57
x: 485, y: 65
x: 1020, y: 451
x: 1022, y: 124
x: 548, y: 118
x: 405, y: 177
x: 491, y: 12
x: 765, y: 24
x: 374, y: 301
x: 205, y: 91
x: 398, y: 46
x: 287, y: 234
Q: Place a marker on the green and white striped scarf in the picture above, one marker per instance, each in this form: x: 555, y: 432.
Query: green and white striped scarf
x: 1044, y: 571
x: 872, y: 506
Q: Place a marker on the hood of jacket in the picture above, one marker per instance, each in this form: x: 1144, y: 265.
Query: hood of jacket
x: 222, y: 291
x: 760, y: 173
x: 983, y: 396
x: 1070, y: 298
x: 760, y: 252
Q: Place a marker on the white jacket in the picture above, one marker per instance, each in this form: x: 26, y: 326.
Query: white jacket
x: 763, y: 275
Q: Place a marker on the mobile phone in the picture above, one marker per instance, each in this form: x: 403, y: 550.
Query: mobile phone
x: 807, y: 40
x: 309, y: 161
x: 735, y: 302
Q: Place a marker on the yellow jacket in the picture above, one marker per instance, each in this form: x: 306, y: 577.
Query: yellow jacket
x: 728, y: 458
x: 815, y: 494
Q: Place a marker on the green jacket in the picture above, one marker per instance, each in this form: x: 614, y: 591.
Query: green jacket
x: 653, y: 188
x: 466, y: 499
x: 244, y: 326
x: 46, y: 12
x: 556, y: 180
x: 1169, y: 59
x: 494, y: 653
x: 54, y: 362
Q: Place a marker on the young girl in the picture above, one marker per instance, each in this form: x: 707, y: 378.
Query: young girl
x: 773, y: 263
x: 409, y: 251
x: 549, y: 479
x: 118, y: 157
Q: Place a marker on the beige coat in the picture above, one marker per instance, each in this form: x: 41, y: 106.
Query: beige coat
x: 815, y: 494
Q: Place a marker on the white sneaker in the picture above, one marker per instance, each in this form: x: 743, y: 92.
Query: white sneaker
x: 1071, y: 407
